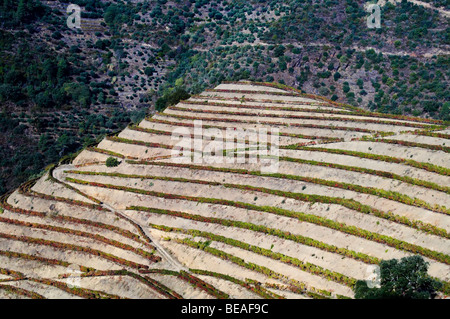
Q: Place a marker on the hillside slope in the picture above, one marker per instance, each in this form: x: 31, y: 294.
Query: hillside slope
x: 352, y: 188
x: 62, y: 88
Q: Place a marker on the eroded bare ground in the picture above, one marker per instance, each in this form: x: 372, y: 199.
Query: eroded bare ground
x: 352, y: 188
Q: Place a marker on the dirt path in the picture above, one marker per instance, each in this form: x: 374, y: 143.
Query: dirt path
x: 58, y: 173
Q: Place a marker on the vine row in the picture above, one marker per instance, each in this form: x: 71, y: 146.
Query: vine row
x: 301, y: 117
x: 304, y: 266
x: 253, y: 288
x: 100, y: 238
x: 272, y: 123
x: 21, y: 292
x: 349, y: 203
x: 59, y: 245
x: 398, y: 244
x: 390, y: 159
x: 251, y: 266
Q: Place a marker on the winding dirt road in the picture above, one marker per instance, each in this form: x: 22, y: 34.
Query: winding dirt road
x: 58, y: 173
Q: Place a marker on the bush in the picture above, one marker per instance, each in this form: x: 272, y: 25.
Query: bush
x: 445, y: 112
x: 337, y: 76
x: 112, y: 162
x: 171, y: 98
x: 401, y: 279
x: 279, y: 51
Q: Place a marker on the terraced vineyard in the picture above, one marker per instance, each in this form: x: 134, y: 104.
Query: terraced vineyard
x: 352, y: 188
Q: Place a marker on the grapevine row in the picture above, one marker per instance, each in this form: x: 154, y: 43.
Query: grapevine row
x: 318, y: 110
x: 100, y: 238
x: 248, y: 265
x: 54, y: 180
x: 77, y: 291
x: 120, y: 231
x: 321, y: 221
x: 304, y: 266
x: 431, y: 134
x: 106, y: 152
x: 349, y: 203
x: 433, y: 147
x: 25, y: 189
x: 48, y: 261
x: 301, y: 117
x: 390, y: 159
x: 209, y: 289
x: 149, y: 282
x: 88, y: 250
x: 398, y: 244
x: 336, y: 104
x: 406, y: 179
x: 12, y: 273
x: 153, y: 131
x: 272, y: 123
x: 21, y: 292
x: 194, y: 281
x: 252, y: 92
x: 253, y: 288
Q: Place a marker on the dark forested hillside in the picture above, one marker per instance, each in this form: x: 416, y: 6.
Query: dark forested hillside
x: 61, y: 88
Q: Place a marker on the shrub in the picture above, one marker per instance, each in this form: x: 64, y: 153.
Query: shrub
x: 279, y: 51
x: 171, y: 98
x: 112, y: 162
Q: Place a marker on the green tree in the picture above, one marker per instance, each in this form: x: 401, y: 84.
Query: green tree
x: 21, y: 11
x: 336, y: 76
x: 360, y: 83
x: 406, y: 278
x: 112, y: 162
x: 346, y: 87
x: 63, y: 69
x: 444, y: 114
x: 79, y: 92
x: 279, y: 51
x: 171, y: 97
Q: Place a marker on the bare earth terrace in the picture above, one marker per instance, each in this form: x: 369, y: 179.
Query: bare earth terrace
x: 351, y: 188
